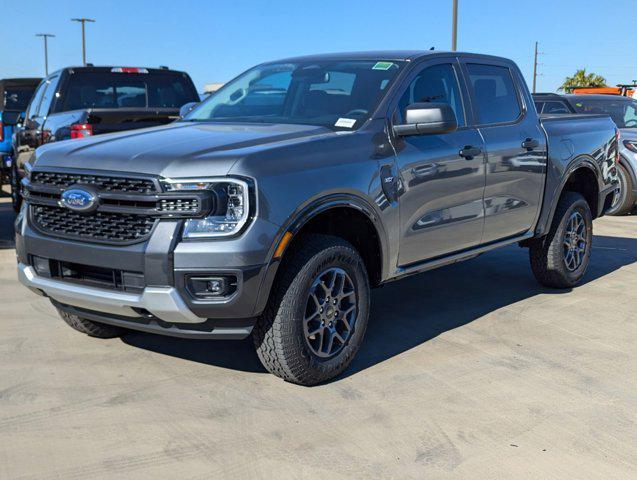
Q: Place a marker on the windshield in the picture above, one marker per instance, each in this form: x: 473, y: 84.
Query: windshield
x: 337, y: 94
x: 623, y: 111
x: 128, y: 90
x: 17, y: 98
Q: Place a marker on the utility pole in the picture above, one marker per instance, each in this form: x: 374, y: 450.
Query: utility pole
x: 454, y: 27
x: 83, y: 22
x: 535, y: 64
x: 45, y: 36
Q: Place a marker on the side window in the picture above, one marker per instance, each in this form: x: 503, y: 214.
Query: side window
x: 495, y: 94
x: 35, y: 101
x: 538, y: 106
x: 438, y: 84
x: 555, y: 107
x: 48, y: 96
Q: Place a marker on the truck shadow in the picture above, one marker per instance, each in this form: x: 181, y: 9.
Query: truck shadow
x: 410, y: 312
x: 7, y: 217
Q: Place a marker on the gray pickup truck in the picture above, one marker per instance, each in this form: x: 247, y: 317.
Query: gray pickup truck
x: 274, y: 206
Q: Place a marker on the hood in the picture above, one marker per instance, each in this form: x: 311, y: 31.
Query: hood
x: 180, y: 149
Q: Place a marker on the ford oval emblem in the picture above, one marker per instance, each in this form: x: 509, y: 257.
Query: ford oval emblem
x: 78, y: 199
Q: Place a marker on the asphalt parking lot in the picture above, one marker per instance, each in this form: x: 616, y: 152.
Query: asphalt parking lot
x: 470, y: 371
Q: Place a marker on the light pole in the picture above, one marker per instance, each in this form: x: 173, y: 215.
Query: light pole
x: 83, y: 22
x: 45, y: 36
x: 535, y: 65
x: 454, y: 27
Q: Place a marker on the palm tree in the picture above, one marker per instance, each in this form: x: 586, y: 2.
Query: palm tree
x: 583, y: 79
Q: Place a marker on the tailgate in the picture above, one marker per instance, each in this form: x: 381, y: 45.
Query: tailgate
x: 121, y: 119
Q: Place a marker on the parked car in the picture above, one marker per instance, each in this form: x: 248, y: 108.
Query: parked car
x: 15, y: 94
x: 78, y: 102
x: 623, y: 111
x: 273, y: 207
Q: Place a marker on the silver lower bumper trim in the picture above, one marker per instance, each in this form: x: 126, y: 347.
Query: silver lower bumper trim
x: 163, y: 302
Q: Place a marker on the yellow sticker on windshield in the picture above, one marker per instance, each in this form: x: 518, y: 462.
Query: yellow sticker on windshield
x: 382, y: 66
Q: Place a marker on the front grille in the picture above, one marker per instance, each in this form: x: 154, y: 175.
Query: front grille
x: 102, y: 227
x: 178, y: 205
x: 100, y: 182
x: 125, y: 211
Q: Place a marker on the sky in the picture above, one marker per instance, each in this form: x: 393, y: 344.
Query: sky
x: 216, y: 40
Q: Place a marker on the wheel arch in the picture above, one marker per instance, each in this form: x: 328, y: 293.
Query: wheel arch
x: 361, y: 219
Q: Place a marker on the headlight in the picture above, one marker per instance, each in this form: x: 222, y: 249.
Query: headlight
x: 631, y: 145
x: 231, y: 211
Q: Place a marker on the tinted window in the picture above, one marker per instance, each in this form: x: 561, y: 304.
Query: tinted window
x: 334, y: 94
x: 495, y: 95
x: 538, y: 106
x: 35, y: 102
x: 17, y: 97
x: 555, y: 107
x: 127, y: 90
x: 49, y: 93
x: 437, y: 84
x: 622, y: 110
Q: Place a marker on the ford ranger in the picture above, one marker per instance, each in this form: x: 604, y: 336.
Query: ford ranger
x: 272, y: 208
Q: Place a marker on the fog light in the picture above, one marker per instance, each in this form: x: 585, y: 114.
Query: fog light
x: 42, y: 266
x: 211, y: 287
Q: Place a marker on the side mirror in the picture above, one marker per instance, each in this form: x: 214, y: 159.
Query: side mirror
x: 186, y: 109
x: 427, y: 119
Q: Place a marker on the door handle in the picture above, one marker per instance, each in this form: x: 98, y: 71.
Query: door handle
x: 530, y: 143
x: 469, y: 152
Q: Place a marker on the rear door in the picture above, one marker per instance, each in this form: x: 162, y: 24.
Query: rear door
x: 515, y: 147
x: 441, y: 208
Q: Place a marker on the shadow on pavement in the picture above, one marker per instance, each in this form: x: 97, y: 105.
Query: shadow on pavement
x: 410, y: 312
x: 7, y: 216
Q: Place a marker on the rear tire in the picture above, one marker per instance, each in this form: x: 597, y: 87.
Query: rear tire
x: 317, y: 315
x: 89, y: 327
x: 560, y: 259
x: 624, y: 204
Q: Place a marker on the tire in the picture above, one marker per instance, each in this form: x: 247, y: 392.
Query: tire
x: 89, y: 327
x: 623, y: 205
x: 16, y: 198
x: 551, y: 262
x: 283, y: 336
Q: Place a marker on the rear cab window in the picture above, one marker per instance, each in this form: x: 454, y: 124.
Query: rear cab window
x: 495, y: 96
x: 105, y: 89
x: 16, y: 97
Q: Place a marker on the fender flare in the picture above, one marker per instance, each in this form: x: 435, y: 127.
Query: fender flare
x: 577, y: 164
x: 301, y: 217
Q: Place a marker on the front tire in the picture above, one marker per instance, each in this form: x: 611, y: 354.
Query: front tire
x: 560, y: 259
x: 89, y: 327
x: 624, y: 201
x: 317, y: 315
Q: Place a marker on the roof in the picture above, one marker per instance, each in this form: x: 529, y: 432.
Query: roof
x: 20, y: 81
x: 596, y: 96
x: 108, y: 68
x: 396, y: 55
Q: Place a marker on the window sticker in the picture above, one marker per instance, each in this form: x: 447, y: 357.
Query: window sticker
x: 382, y: 66
x: 345, y: 122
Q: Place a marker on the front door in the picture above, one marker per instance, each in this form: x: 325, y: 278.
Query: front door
x: 441, y: 208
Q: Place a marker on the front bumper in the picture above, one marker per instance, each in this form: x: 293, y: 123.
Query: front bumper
x: 164, y: 305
